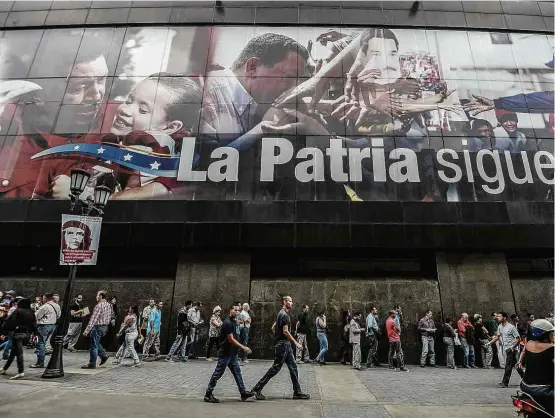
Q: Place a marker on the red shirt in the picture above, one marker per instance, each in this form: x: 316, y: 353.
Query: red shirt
x: 393, y: 334
x: 461, y: 325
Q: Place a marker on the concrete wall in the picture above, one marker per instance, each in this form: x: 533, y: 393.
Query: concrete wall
x: 336, y: 295
x: 474, y: 283
x: 533, y: 295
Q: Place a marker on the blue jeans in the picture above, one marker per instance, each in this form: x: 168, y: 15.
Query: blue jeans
x: 283, y: 354
x: 43, y: 332
x: 8, y: 347
x: 244, y: 341
x: 233, y: 365
x: 468, y: 350
x: 97, y: 350
x: 323, y: 346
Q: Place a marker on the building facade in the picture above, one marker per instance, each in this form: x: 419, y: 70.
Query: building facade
x: 348, y: 154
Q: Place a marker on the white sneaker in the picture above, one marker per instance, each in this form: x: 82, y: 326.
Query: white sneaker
x: 18, y: 376
x: 209, y: 359
x: 246, y: 362
x: 137, y: 363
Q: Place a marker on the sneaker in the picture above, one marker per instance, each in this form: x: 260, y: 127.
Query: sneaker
x: 466, y: 366
x: 37, y: 366
x: 473, y: 366
x: 502, y: 385
x: 209, y: 397
x: 422, y: 365
x: 87, y: 366
x: 169, y: 359
x: 2, y: 371
x: 404, y: 369
x: 246, y: 395
x: 136, y: 363
x: 391, y: 368
x: 183, y: 359
x: 301, y: 395
x: 103, y: 360
x: 209, y: 359
x: 18, y: 376
x: 71, y: 350
x: 246, y: 361
x: 258, y: 395
x: 357, y: 368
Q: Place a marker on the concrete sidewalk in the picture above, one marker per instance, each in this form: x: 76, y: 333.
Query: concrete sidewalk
x: 176, y: 389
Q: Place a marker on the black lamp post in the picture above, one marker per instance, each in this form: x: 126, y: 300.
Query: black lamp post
x: 79, y: 179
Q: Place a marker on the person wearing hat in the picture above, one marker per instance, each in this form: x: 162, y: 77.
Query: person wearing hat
x: 538, y: 358
x: 8, y: 297
x: 214, y: 332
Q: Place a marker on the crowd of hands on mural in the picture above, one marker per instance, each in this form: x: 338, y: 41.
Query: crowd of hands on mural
x: 374, y: 96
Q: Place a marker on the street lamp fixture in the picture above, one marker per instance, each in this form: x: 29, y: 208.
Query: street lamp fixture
x: 78, y: 182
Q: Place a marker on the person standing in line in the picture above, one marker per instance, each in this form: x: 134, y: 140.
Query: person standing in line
x: 509, y: 338
x: 146, y: 313
x: 373, y: 334
x: 466, y: 332
x: 46, y: 316
x: 427, y: 329
x: 98, y: 327
x: 492, y: 324
x: 227, y: 358
x: 346, y: 350
x: 193, y: 316
x: 244, y: 329
x: 153, y: 331
x: 394, y: 337
x: 302, y: 330
x: 180, y: 343
x: 130, y: 328
x: 449, y: 336
x: 21, y: 323
x: 354, y: 340
x: 283, y: 353
x: 47, y: 345
x: 321, y: 334
x: 75, y: 324
x: 398, y: 316
x: 483, y: 338
x: 214, y: 331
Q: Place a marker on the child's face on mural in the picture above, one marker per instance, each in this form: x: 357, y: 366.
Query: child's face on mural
x: 144, y: 109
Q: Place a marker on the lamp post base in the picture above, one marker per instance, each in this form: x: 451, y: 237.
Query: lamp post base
x: 55, y: 366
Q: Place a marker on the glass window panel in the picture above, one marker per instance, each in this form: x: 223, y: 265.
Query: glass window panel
x: 493, y: 56
x: 143, y: 52
x: 454, y: 54
x: 188, y: 50
x: 101, y: 46
x: 56, y: 54
x: 17, y: 51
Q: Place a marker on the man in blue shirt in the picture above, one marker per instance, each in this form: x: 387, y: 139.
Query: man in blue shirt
x: 227, y: 358
x: 153, y: 330
x: 373, y: 333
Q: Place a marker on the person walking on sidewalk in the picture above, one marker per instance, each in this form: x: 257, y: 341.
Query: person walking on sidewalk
x: 449, y: 336
x: 427, y: 329
x: 75, y: 323
x: 47, y: 317
x: 354, y: 339
x: 302, y: 329
x: 153, y: 331
x: 97, y: 328
x: 321, y: 334
x: 283, y: 353
x: 214, y: 332
x: 131, y: 330
x: 373, y: 334
x: 483, y: 338
x: 244, y: 330
x: 180, y: 344
x: 21, y: 323
x: 227, y: 358
x: 466, y: 336
x: 508, y: 336
x: 394, y: 337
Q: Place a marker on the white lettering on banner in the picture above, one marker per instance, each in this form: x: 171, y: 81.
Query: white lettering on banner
x: 441, y: 160
x: 403, y: 164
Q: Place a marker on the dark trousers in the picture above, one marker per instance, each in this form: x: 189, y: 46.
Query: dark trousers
x: 345, y: 352
x: 213, y: 341
x: 396, y: 354
x: 245, y: 341
x: 233, y: 365
x: 283, y: 353
x: 372, y: 350
x: 510, y: 362
x: 18, y: 340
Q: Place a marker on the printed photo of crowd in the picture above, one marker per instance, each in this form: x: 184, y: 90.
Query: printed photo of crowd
x: 117, y: 94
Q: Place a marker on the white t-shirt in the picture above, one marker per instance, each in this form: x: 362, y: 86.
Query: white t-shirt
x: 244, y: 316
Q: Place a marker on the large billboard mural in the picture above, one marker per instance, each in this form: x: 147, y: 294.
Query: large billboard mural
x: 257, y: 113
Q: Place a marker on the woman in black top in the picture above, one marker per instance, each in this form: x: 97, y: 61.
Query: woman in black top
x: 538, y: 358
x: 21, y: 322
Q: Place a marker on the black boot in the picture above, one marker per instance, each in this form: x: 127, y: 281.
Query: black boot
x: 246, y: 395
x: 209, y: 397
